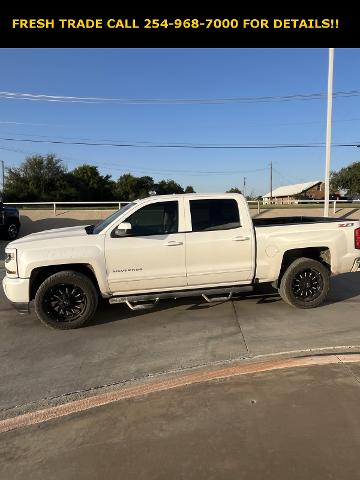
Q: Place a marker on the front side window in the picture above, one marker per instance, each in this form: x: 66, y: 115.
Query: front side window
x: 155, y: 219
x: 105, y: 223
x: 207, y: 215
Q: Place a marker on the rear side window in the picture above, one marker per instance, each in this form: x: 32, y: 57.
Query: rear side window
x: 155, y: 219
x: 209, y: 215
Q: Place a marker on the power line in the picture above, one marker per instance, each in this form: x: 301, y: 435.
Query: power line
x: 3, y: 122
x: 106, y: 141
x: 122, y: 168
x: 182, y: 145
x: 281, y: 175
x: 172, y: 101
x: 132, y: 167
x: 276, y: 124
x: 112, y: 140
x: 240, y: 125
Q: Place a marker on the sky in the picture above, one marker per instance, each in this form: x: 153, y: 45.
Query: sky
x: 182, y: 74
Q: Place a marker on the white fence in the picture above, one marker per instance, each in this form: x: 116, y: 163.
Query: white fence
x: 55, y: 204
x: 259, y: 203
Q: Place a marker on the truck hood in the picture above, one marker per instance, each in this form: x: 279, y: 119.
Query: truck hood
x: 56, y: 233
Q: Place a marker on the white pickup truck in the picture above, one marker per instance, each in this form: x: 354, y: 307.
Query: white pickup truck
x: 176, y: 246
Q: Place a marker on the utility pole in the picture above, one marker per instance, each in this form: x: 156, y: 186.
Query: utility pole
x: 271, y: 185
x: 328, y: 131
x: 244, y: 189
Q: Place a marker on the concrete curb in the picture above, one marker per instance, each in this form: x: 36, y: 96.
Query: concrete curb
x: 170, y: 382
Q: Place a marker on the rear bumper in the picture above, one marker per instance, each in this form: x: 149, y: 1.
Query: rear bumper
x: 356, y: 266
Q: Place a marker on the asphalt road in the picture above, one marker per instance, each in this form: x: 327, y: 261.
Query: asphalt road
x: 39, y: 363
x: 3, y: 244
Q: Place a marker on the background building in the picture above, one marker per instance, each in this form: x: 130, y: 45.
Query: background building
x: 293, y: 193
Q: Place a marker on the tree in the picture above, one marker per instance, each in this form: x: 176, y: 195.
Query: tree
x: 129, y: 188
x: 39, y: 178
x: 189, y: 189
x: 167, y: 187
x: 252, y: 196
x: 234, y: 190
x: 90, y: 184
x: 45, y: 178
x: 348, y: 178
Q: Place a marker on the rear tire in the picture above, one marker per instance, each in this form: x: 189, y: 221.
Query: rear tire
x: 66, y: 300
x: 305, y: 283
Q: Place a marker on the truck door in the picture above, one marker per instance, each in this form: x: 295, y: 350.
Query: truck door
x: 151, y: 256
x: 220, y: 245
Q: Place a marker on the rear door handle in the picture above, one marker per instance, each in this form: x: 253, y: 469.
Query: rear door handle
x: 240, y: 239
x: 172, y: 243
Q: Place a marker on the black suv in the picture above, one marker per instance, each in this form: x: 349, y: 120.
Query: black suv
x: 9, y: 222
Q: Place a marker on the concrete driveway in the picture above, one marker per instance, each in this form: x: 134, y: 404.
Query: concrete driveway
x: 296, y: 423
x: 37, y: 363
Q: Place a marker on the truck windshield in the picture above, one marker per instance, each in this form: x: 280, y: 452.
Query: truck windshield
x: 100, y: 226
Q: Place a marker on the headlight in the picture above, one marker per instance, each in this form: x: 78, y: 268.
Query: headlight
x: 9, y: 256
x: 11, y: 262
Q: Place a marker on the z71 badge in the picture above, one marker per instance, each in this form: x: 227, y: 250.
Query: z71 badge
x: 345, y: 225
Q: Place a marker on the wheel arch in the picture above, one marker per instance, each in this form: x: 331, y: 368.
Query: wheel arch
x: 321, y: 254
x: 12, y: 219
x: 39, y: 274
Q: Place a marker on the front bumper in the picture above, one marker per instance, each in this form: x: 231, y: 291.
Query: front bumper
x: 22, y: 308
x: 17, y: 290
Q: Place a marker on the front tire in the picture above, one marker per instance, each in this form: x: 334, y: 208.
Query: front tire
x: 66, y: 300
x: 305, y: 283
x: 12, y: 230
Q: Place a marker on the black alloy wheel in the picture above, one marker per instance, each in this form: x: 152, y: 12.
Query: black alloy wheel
x: 307, y: 285
x: 64, y: 302
x: 67, y: 299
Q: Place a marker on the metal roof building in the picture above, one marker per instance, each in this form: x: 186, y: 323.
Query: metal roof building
x: 292, y: 193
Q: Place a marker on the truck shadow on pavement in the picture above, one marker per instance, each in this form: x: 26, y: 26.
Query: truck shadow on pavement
x: 29, y: 226
x: 348, y: 214
x: 113, y: 313
x: 343, y: 287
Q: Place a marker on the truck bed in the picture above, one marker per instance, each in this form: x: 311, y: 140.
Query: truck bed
x: 277, y: 221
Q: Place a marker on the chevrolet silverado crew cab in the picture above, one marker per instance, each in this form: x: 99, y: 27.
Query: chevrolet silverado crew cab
x: 177, y: 246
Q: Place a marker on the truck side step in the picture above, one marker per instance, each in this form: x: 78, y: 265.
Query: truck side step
x: 142, y: 306
x: 217, y: 299
x: 221, y: 294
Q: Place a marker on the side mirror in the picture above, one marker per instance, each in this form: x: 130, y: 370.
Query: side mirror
x: 122, y: 229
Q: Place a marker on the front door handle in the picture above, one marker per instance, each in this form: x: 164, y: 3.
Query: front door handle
x: 240, y: 239
x: 172, y: 243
